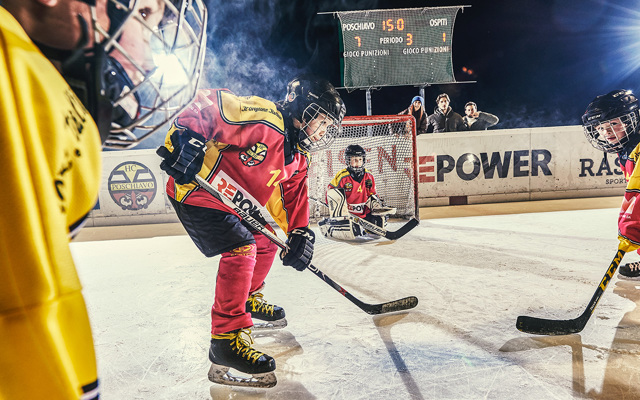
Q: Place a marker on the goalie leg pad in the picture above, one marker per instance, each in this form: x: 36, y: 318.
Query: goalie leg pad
x: 337, y: 202
x: 340, y: 228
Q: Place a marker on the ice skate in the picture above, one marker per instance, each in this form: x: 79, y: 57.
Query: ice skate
x: 231, y: 350
x: 630, y: 270
x: 272, y: 316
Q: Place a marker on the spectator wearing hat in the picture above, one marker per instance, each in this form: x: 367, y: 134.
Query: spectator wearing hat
x: 416, y: 108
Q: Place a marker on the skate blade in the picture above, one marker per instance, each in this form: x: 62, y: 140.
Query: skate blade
x: 220, y: 374
x: 269, y: 325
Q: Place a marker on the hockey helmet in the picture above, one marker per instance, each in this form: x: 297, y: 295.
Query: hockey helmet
x: 600, y: 121
x: 316, y: 104
x: 130, y: 90
x: 354, y: 150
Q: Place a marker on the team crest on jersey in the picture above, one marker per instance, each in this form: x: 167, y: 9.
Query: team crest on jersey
x: 255, y: 155
x: 348, y: 186
x: 132, y: 185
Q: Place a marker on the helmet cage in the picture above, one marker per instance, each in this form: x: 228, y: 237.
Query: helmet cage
x: 155, y: 96
x: 630, y: 121
x: 308, y: 137
x: 355, y: 151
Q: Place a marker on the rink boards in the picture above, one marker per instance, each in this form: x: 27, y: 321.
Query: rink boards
x: 453, y: 168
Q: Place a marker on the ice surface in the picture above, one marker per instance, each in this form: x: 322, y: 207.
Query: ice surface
x: 149, y: 302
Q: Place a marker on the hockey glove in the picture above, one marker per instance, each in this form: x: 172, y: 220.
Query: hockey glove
x: 300, y: 251
x: 187, y: 157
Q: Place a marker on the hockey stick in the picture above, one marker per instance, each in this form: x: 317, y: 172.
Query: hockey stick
x: 390, y: 306
x: 542, y: 326
x: 378, y: 230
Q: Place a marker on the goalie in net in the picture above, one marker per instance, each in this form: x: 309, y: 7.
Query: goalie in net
x: 353, y: 191
x: 389, y: 142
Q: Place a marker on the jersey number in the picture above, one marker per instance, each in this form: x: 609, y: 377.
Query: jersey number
x: 274, y: 175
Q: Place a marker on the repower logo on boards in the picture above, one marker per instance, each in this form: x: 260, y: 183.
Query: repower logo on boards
x: 469, y: 166
x: 132, y: 185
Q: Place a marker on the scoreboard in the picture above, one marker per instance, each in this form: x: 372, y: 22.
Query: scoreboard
x: 410, y: 46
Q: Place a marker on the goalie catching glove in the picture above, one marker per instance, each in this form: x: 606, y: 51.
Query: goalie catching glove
x: 377, y: 207
x: 187, y: 157
x: 300, y: 252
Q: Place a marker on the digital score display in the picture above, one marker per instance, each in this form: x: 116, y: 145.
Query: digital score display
x: 410, y: 46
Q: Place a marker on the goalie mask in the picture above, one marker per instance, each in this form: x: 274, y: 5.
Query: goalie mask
x: 611, y: 120
x: 352, y: 151
x: 317, y: 105
x: 143, y: 68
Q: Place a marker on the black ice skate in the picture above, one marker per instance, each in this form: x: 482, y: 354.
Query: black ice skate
x: 272, y: 315
x: 231, y: 350
x: 630, y: 270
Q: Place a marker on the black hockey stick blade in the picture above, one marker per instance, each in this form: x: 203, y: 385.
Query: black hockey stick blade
x: 404, y: 229
x: 373, y: 309
x: 543, y: 326
x: 551, y: 327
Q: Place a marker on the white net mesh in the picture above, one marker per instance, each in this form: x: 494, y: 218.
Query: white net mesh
x: 390, y: 142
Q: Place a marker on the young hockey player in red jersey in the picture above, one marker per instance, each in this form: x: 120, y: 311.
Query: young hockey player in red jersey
x: 254, y: 152
x: 353, y: 191
x: 611, y: 124
x: 73, y: 74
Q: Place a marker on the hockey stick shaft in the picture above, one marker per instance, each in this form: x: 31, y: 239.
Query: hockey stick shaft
x: 542, y: 326
x: 378, y: 230
x: 396, y: 305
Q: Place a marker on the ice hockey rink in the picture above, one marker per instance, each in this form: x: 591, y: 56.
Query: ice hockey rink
x: 149, y: 293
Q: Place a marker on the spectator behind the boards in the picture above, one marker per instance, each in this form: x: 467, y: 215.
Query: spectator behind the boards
x: 416, y: 108
x: 476, y: 120
x: 444, y: 119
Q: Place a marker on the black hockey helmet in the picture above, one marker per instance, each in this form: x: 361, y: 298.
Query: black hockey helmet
x: 309, y: 98
x: 603, y: 109
x: 354, y: 150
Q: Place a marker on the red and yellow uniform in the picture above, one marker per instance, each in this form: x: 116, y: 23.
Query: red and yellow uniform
x: 249, y: 160
x: 245, y: 158
x: 357, y: 192
x: 50, y: 151
x: 629, y: 218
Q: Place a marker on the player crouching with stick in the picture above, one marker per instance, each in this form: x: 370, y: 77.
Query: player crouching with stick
x: 255, y: 153
x: 353, y: 191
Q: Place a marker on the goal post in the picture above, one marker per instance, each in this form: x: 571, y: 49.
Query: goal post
x: 390, y: 145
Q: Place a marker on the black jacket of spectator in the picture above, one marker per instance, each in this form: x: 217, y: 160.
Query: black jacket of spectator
x: 450, y: 121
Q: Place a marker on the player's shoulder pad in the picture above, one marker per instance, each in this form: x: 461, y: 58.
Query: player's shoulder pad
x: 241, y: 110
x: 339, y: 177
x: 635, y: 154
x: 341, y: 174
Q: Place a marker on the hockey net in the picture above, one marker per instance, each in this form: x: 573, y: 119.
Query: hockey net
x: 390, y: 143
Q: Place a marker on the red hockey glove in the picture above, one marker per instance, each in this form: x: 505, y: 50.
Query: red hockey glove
x: 187, y: 157
x: 300, y: 252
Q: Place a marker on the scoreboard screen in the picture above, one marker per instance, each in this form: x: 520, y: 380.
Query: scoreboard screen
x: 410, y: 46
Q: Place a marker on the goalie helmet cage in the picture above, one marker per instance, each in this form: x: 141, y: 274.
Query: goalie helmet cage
x: 390, y: 143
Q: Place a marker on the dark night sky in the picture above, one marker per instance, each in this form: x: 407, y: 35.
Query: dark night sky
x: 536, y: 62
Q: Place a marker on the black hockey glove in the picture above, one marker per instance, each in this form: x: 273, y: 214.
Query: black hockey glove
x: 187, y: 157
x: 300, y: 252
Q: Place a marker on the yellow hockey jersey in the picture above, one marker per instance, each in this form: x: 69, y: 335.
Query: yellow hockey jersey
x: 50, y: 168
